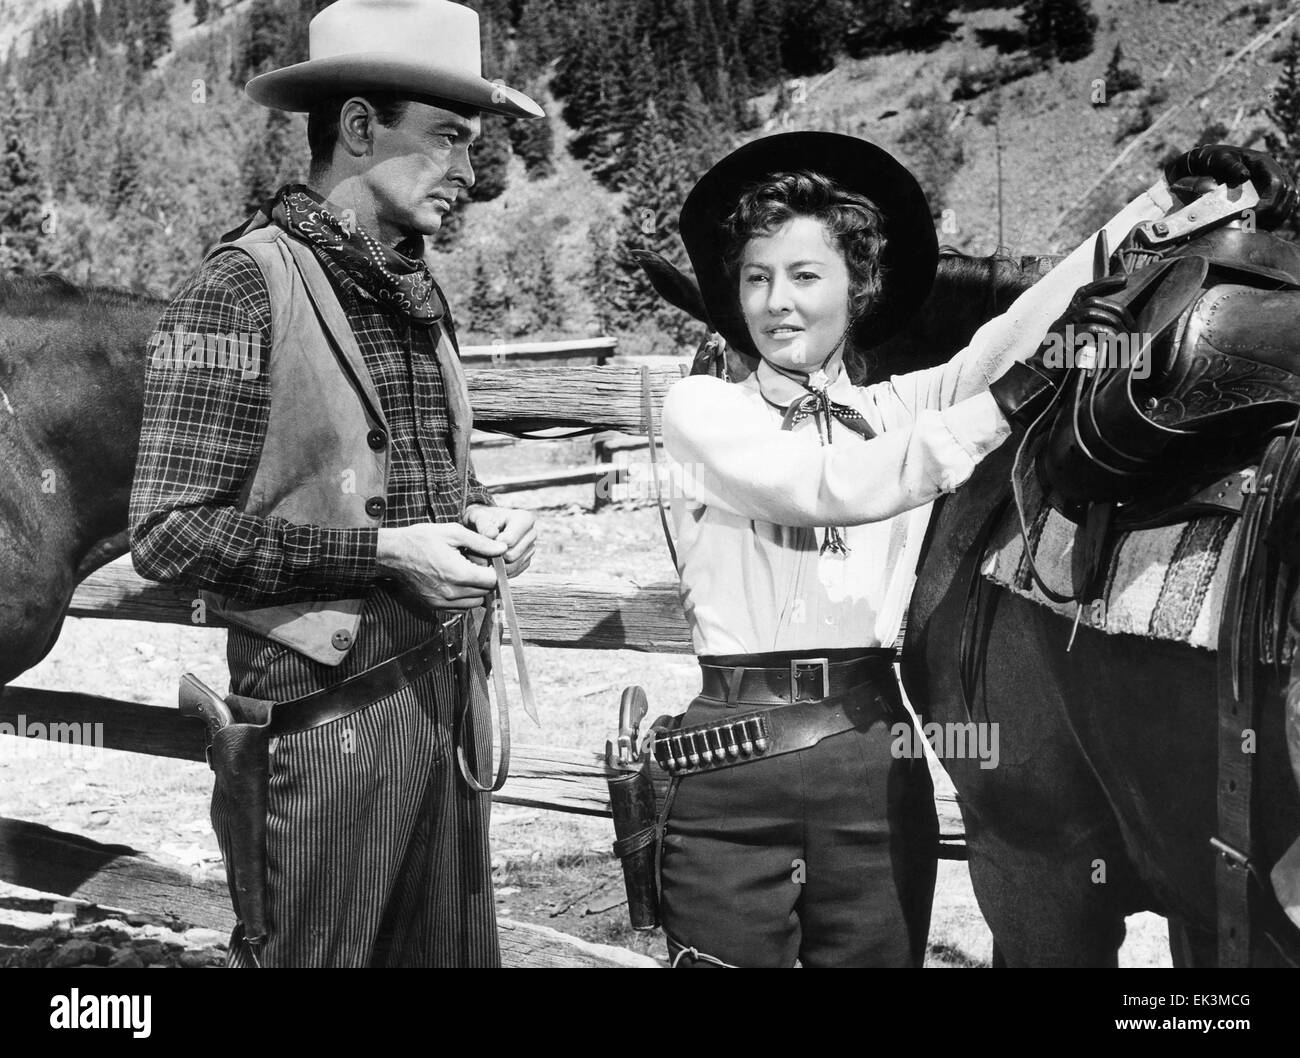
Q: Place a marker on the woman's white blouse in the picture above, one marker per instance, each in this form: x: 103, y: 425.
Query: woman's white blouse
x: 750, y: 501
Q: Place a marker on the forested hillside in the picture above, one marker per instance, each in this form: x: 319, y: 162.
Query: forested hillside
x: 129, y: 146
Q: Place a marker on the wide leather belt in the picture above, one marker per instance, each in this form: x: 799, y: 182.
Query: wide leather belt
x: 802, y: 680
x: 795, y: 725
x: 365, y: 688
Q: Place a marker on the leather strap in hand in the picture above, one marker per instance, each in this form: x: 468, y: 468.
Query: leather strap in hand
x: 471, y: 668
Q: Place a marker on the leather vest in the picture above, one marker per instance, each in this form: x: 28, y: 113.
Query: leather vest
x: 325, y: 457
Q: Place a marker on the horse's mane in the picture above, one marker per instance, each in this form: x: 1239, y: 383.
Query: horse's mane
x: 968, y: 290
x: 21, y: 293
x: 999, y: 275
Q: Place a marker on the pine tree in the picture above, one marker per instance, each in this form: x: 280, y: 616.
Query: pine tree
x: 678, y: 37
x: 20, y: 198
x: 490, y: 158
x: 812, y: 32
x: 42, y: 52
x: 115, y: 21
x: 733, y: 76
x: 72, y: 35
x: 486, y: 306
x: 547, y: 309
x: 1076, y: 28
x: 262, y: 40
x: 155, y: 30
x: 537, y: 37
x: 1284, y: 112
x: 90, y: 25
x: 601, y: 63
x: 663, y: 161
x: 1121, y: 76
x: 888, y: 24
x: 758, y: 25
x: 602, y: 280
x: 1061, y: 28
x: 651, y: 75
x: 265, y: 164
x: 135, y: 58
x: 534, y: 141
x: 123, y: 179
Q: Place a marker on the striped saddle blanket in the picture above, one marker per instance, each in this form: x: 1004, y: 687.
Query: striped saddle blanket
x: 1166, y: 583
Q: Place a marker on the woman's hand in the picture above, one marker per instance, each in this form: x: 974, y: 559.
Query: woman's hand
x: 1232, y: 165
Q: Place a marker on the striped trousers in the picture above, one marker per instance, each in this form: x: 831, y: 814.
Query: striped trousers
x: 377, y: 852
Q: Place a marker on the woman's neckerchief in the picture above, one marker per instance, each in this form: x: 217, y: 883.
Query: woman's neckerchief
x: 814, y: 401
x: 396, y: 277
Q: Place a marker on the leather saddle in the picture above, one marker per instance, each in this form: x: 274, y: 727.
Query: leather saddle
x: 1158, y: 427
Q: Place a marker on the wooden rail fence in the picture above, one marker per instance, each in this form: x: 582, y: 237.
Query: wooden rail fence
x: 554, y: 611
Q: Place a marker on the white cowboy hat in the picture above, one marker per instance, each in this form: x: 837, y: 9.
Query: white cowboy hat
x: 421, y: 47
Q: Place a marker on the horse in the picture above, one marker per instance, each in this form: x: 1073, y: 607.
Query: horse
x: 71, y: 403
x: 1104, y: 800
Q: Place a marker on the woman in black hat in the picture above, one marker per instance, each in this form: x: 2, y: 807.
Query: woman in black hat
x: 793, y: 830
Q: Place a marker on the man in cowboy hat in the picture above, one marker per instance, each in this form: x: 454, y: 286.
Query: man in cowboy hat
x: 324, y: 503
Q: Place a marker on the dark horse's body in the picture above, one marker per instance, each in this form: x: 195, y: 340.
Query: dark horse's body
x: 71, y: 395
x: 1103, y: 802
x: 1104, y: 799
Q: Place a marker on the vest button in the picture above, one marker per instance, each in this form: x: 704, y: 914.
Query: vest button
x: 375, y: 506
x: 376, y: 439
x: 342, y: 639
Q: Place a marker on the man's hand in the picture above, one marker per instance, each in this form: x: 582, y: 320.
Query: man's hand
x: 1231, y: 165
x: 433, y: 561
x: 507, y: 525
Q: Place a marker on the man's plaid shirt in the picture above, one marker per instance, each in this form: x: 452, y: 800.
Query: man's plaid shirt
x: 203, y: 431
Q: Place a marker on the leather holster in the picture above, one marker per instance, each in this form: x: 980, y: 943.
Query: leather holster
x: 241, y: 761
x: 636, y: 831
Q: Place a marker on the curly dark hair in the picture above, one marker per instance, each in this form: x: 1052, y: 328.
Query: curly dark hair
x: 854, y: 223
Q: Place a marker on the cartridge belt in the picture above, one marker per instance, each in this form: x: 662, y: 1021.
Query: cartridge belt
x: 787, y: 728
x: 800, y: 680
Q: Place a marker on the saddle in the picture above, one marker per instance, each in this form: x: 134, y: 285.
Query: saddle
x: 1210, y: 371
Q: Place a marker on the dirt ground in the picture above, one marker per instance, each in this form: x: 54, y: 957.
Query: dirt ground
x: 549, y: 868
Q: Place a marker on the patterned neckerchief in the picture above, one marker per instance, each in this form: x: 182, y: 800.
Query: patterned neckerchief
x: 810, y: 399
x: 396, y: 277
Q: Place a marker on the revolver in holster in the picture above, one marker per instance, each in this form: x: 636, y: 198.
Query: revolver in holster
x: 239, y: 757
x: 632, y: 802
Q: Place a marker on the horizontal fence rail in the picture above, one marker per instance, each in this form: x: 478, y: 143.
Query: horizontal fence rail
x: 552, y: 777
x: 611, y: 397
x: 589, y: 350
x: 554, y: 610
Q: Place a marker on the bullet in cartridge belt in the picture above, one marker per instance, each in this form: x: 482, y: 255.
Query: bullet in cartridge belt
x: 786, y: 728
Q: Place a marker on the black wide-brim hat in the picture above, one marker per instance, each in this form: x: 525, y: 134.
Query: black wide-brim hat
x: 911, y: 251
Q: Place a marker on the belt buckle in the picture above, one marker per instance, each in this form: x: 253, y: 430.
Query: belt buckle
x: 800, y: 668
x: 450, y: 631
